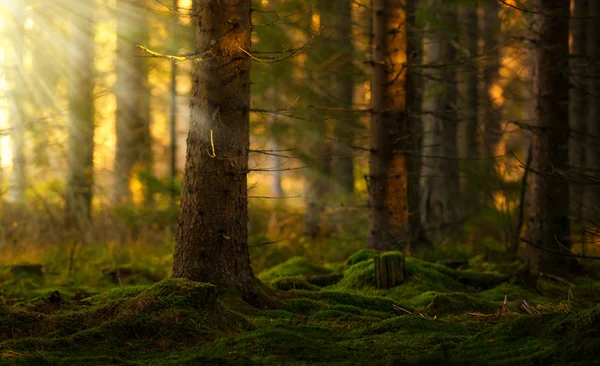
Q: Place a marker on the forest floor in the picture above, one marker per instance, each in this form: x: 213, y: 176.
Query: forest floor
x: 438, y: 316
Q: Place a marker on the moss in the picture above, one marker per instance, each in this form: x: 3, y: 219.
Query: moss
x: 184, y: 322
x: 296, y: 266
x: 292, y: 283
x: 360, y: 256
x: 434, y: 303
x: 358, y: 276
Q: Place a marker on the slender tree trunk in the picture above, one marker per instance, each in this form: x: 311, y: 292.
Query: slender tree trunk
x: 342, y: 167
x: 414, y: 98
x: 80, y: 145
x: 577, y: 103
x: 16, y: 79
x: 548, y: 201
x: 469, y: 101
x: 133, y: 146
x: 439, y: 181
x: 212, y: 238
x: 173, y: 114
x: 490, y: 113
x: 592, y: 154
x: 317, y: 184
x: 275, y: 160
x: 388, y: 209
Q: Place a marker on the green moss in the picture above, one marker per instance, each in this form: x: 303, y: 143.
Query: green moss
x: 361, y: 255
x: 292, y: 283
x: 434, y: 303
x: 184, y: 322
x: 296, y: 266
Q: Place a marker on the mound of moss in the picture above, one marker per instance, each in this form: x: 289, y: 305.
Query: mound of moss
x: 296, y: 266
x: 170, y: 313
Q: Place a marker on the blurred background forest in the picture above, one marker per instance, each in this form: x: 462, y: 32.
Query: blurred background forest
x: 94, y: 114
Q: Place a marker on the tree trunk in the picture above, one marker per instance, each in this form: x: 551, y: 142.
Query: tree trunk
x: 388, y: 209
x: 80, y: 145
x: 469, y: 101
x: 592, y: 154
x: 439, y: 181
x: 414, y: 98
x: 133, y: 145
x: 577, y: 104
x: 317, y: 184
x: 490, y: 113
x: 212, y: 238
x: 17, y: 85
x: 173, y: 115
x: 342, y: 167
x: 548, y: 201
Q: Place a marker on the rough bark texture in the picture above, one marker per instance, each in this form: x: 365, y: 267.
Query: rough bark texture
x: 548, y: 199
x: 80, y: 145
x: 342, y: 167
x: 414, y: 97
x: 212, y: 235
x: 390, y: 270
x: 133, y: 144
x: 468, y: 146
x: 388, y: 209
x: 577, y: 103
x: 439, y: 172
x: 17, y: 85
x: 592, y: 193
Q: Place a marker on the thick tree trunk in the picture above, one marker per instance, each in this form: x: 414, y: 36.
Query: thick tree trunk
x: 212, y: 238
x: 548, y: 199
x: 414, y: 98
x: 133, y: 145
x: 388, y: 209
x: 468, y: 146
x: 439, y: 181
x: 17, y: 85
x: 592, y: 154
x: 80, y: 145
x: 342, y: 167
x: 577, y: 103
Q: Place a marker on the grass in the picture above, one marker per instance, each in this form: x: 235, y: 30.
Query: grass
x: 438, y: 316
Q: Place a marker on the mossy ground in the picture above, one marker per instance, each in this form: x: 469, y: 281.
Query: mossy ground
x: 438, y: 316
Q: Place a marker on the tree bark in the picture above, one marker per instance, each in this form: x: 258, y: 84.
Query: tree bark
x: 133, y: 142
x: 469, y: 100
x: 318, y: 176
x: 592, y: 154
x: 342, y: 167
x: 548, y: 201
x: 80, y: 145
x: 414, y: 98
x: 17, y: 85
x: 173, y: 114
x: 577, y: 104
x: 212, y: 237
x: 388, y: 209
x: 490, y: 113
x: 439, y: 181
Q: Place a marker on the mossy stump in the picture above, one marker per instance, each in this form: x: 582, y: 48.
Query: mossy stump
x: 390, y: 270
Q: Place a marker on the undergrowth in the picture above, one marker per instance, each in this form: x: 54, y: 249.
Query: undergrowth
x: 438, y: 315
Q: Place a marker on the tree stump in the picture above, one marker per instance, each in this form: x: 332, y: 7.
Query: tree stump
x: 390, y: 270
